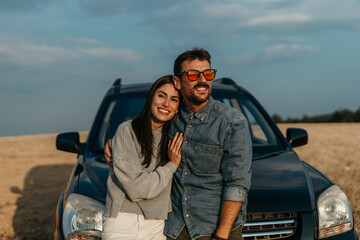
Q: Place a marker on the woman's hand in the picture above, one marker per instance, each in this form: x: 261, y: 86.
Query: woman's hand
x: 174, y: 149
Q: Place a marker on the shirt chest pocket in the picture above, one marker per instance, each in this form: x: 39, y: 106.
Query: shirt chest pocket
x: 207, y: 158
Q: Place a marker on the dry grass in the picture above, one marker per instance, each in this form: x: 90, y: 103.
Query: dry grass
x: 34, y: 173
x: 334, y: 149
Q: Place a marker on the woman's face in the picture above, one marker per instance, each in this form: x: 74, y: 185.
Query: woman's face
x: 165, y: 105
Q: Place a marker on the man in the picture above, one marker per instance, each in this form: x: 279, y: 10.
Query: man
x: 209, y: 191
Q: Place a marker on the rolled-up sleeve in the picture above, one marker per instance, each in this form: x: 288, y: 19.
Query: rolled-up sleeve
x: 236, y: 161
x: 137, y: 183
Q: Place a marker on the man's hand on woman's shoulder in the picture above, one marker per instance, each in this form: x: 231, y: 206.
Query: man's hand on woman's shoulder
x: 108, y: 154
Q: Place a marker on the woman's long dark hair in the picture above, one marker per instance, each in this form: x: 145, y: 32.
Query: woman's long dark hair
x: 143, y: 130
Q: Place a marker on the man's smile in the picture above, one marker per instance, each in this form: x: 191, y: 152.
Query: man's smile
x: 201, y: 88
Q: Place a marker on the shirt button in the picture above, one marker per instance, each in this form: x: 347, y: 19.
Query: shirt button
x: 187, y: 215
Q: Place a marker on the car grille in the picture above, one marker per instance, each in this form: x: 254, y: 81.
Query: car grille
x: 270, y: 226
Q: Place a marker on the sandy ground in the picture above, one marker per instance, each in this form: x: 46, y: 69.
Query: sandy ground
x: 33, y: 174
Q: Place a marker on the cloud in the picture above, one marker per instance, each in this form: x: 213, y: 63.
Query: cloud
x: 276, y: 53
x: 271, y: 17
x: 104, y: 52
x: 285, y: 51
x: 225, y: 17
x: 79, y: 40
x: 279, y: 19
x: 226, y: 10
x: 21, y: 5
x: 112, y: 7
x: 30, y: 55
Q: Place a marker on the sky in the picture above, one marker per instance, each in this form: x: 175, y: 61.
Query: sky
x: 59, y: 57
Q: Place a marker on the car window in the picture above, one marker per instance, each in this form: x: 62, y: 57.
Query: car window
x: 263, y: 137
x: 119, y: 109
x: 124, y: 107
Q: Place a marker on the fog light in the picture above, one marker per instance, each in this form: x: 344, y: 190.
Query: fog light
x: 328, y: 232
x: 85, y: 235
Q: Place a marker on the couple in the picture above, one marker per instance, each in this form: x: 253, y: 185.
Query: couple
x: 186, y: 162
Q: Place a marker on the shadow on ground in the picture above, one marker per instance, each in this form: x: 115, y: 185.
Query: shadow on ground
x: 36, y: 207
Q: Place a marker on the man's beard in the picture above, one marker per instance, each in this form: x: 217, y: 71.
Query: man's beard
x: 196, y: 100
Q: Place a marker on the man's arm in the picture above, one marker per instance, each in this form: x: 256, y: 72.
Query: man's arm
x: 236, y: 175
x: 229, y: 212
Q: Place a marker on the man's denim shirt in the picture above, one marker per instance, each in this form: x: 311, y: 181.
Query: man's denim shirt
x: 215, y: 166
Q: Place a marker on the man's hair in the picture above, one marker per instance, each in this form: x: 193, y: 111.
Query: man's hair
x: 195, y: 53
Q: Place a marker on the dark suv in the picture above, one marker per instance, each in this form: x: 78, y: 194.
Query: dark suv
x: 288, y: 199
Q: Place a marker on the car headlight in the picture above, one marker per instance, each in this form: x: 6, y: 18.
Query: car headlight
x: 82, y: 217
x: 335, y: 216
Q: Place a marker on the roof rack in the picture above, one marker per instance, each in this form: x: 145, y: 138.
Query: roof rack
x: 226, y: 81
x: 229, y: 81
x: 117, y: 85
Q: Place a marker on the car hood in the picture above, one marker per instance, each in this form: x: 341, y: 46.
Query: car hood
x: 92, y: 177
x: 280, y: 183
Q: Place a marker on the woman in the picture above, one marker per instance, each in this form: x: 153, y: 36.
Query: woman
x: 144, y: 161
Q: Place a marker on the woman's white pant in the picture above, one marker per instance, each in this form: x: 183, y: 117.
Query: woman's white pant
x: 131, y: 226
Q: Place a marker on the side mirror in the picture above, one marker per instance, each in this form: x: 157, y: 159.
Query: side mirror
x: 296, y: 136
x: 69, y: 142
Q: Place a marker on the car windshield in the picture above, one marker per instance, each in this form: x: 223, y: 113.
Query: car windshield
x: 123, y: 107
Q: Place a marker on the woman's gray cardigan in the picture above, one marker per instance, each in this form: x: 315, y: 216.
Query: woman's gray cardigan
x: 147, y: 189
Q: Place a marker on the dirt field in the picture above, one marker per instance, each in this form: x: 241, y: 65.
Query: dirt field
x: 34, y: 173
x: 334, y: 149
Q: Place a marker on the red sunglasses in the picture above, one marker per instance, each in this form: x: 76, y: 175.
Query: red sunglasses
x: 193, y: 75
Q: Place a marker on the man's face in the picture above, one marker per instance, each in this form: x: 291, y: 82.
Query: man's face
x: 195, y: 93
